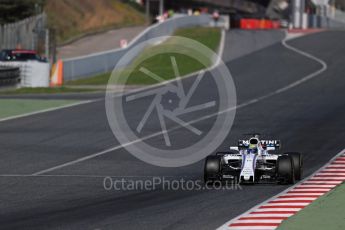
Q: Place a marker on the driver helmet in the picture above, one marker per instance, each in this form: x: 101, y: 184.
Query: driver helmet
x: 253, y: 145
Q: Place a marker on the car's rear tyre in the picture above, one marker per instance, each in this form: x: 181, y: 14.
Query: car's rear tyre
x: 212, y: 169
x: 285, y: 170
x: 297, y: 161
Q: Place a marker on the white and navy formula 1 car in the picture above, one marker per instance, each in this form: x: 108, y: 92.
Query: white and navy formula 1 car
x: 252, y: 163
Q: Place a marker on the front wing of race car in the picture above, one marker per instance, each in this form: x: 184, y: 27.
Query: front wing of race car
x: 247, y: 168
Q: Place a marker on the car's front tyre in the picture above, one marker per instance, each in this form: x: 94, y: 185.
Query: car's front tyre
x: 285, y: 170
x: 297, y: 163
x: 212, y: 169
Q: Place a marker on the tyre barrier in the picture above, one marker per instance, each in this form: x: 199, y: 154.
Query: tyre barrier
x: 9, y: 76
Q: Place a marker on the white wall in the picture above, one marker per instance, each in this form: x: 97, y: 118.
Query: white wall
x: 32, y: 73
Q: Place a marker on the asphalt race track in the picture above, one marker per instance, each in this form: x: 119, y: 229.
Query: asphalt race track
x: 308, y: 118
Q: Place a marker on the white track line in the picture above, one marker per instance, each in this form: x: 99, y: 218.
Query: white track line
x: 260, y: 221
x: 81, y: 175
x: 220, y: 54
x: 282, y: 215
x: 306, y: 78
x: 319, y: 186
x: 323, y: 182
x: 308, y: 189
x: 288, y: 203
x: 330, y: 170
x: 295, y: 199
x: 305, y: 194
x: 218, y: 61
x: 46, y: 110
x: 330, y: 174
x: 301, y: 187
x: 245, y: 104
x: 254, y: 228
x: 92, y: 155
x: 336, y: 167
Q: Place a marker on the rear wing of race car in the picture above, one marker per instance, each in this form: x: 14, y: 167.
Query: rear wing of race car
x: 267, y: 144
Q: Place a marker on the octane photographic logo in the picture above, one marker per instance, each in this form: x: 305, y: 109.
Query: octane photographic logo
x: 175, y: 122
x: 165, y: 183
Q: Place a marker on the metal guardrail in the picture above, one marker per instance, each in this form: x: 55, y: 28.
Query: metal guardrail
x: 103, y: 62
x: 316, y: 21
x: 24, y: 33
x: 332, y: 23
x: 9, y: 75
x: 338, y: 15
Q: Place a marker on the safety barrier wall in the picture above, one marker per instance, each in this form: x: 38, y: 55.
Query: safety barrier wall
x: 9, y: 76
x: 103, y: 62
x: 23, y: 34
x: 331, y: 23
x: 316, y: 21
x: 338, y: 15
x: 30, y: 73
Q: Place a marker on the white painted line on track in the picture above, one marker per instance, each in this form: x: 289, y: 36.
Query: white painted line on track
x: 336, y: 167
x: 47, y: 110
x: 299, y: 190
x: 290, y: 201
x: 323, y: 182
x: 220, y: 54
x: 295, y: 199
x: 282, y: 215
x: 318, y: 186
x: 309, y: 188
x: 254, y: 228
x: 311, y: 179
x: 330, y: 170
x: 245, y: 104
x: 261, y: 221
x: 262, y: 218
x: 306, y: 189
x: 326, y: 180
x: 267, y: 209
x: 80, y: 175
x: 305, y: 194
x: 297, y: 203
x: 262, y: 226
x: 330, y: 174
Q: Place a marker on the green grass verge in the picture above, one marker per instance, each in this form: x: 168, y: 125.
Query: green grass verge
x: 100, y: 79
x: 208, y: 36
x: 15, y: 107
x: 43, y: 90
x: 327, y: 212
x: 161, y: 64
